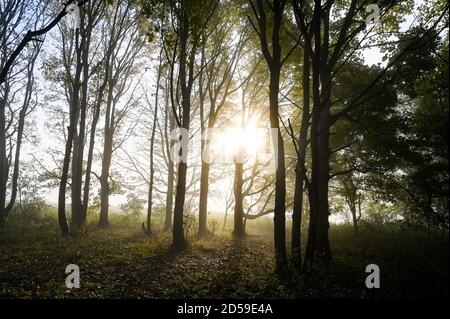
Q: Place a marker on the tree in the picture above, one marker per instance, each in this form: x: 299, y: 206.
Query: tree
x: 335, y: 42
x: 218, y: 68
x: 126, y: 44
x: 152, y: 145
x: 274, y: 62
x: 189, y: 21
x: 422, y: 152
x: 73, y: 70
x: 11, y: 7
x: 14, y: 111
x: 90, y: 17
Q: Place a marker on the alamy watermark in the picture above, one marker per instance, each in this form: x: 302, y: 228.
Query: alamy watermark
x: 374, y: 17
x: 73, y: 14
x: 73, y: 276
x: 373, y: 279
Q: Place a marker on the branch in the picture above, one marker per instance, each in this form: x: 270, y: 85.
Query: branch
x: 30, y: 35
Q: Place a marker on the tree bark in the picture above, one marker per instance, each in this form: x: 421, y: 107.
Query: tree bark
x: 238, y: 231
x: 106, y: 159
x: 3, y: 162
x: 186, y: 80
x: 274, y: 62
x: 203, y: 204
x: 152, y: 144
x: 299, y: 175
x: 74, y: 114
x: 179, y: 241
x: 78, y: 212
x: 280, y: 180
x: 323, y: 243
x: 314, y: 182
x: 91, y: 154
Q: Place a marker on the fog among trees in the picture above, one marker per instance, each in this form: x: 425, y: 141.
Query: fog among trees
x: 223, y: 149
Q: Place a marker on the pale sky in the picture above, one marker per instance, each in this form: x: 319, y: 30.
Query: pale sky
x: 216, y: 203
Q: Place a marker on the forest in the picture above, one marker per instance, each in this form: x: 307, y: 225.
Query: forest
x: 244, y: 149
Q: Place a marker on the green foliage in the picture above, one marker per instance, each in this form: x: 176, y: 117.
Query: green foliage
x: 134, y: 206
x: 424, y: 151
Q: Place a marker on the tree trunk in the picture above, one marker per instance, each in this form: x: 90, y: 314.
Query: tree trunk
x: 94, y: 123
x: 74, y: 114
x: 318, y: 241
x: 152, y: 144
x: 186, y: 79
x: 280, y: 176
x: 179, y: 240
x: 77, y: 171
x: 104, y: 179
x: 238, y: 231
x: 78, y: 211
x: 3, y: 162
x: 106, y: 159
x: 313, y: 193
x: 89, y: 161
x: 355, y: 220
x: 203, y: 205
x: 299, y: 174
x: 323, y: 243
x: 62, y: 219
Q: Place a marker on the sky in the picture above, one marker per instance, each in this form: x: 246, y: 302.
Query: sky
x: 216, y: 202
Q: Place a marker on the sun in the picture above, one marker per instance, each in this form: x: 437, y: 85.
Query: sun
x: 246, y: 141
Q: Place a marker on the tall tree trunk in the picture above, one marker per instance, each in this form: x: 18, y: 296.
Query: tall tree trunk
x: 313, y: 193
x: 152, y: 144
x: 204, y: 175
x: 186, y: 79
x: 203, y: 205
x: 238, y: 231
x: 179, y: 240
x: 74, y: 114
x: 104, y: 180
x: 3, y: 162
x: 274, y: 63
x: 280, y: 175
x: 106, y: 160
x: 89, y: 160
x: 62, y: 219
x: 299, y: 173
x: 77, y: 172
x: 318, y: 241
x: 323, y: 243
x: 78, y: 211
x: 150, y: 184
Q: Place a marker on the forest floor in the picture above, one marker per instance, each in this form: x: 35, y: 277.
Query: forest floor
x: 120, y: 262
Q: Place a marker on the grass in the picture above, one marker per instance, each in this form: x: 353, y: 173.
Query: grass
x: 120, y: 262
